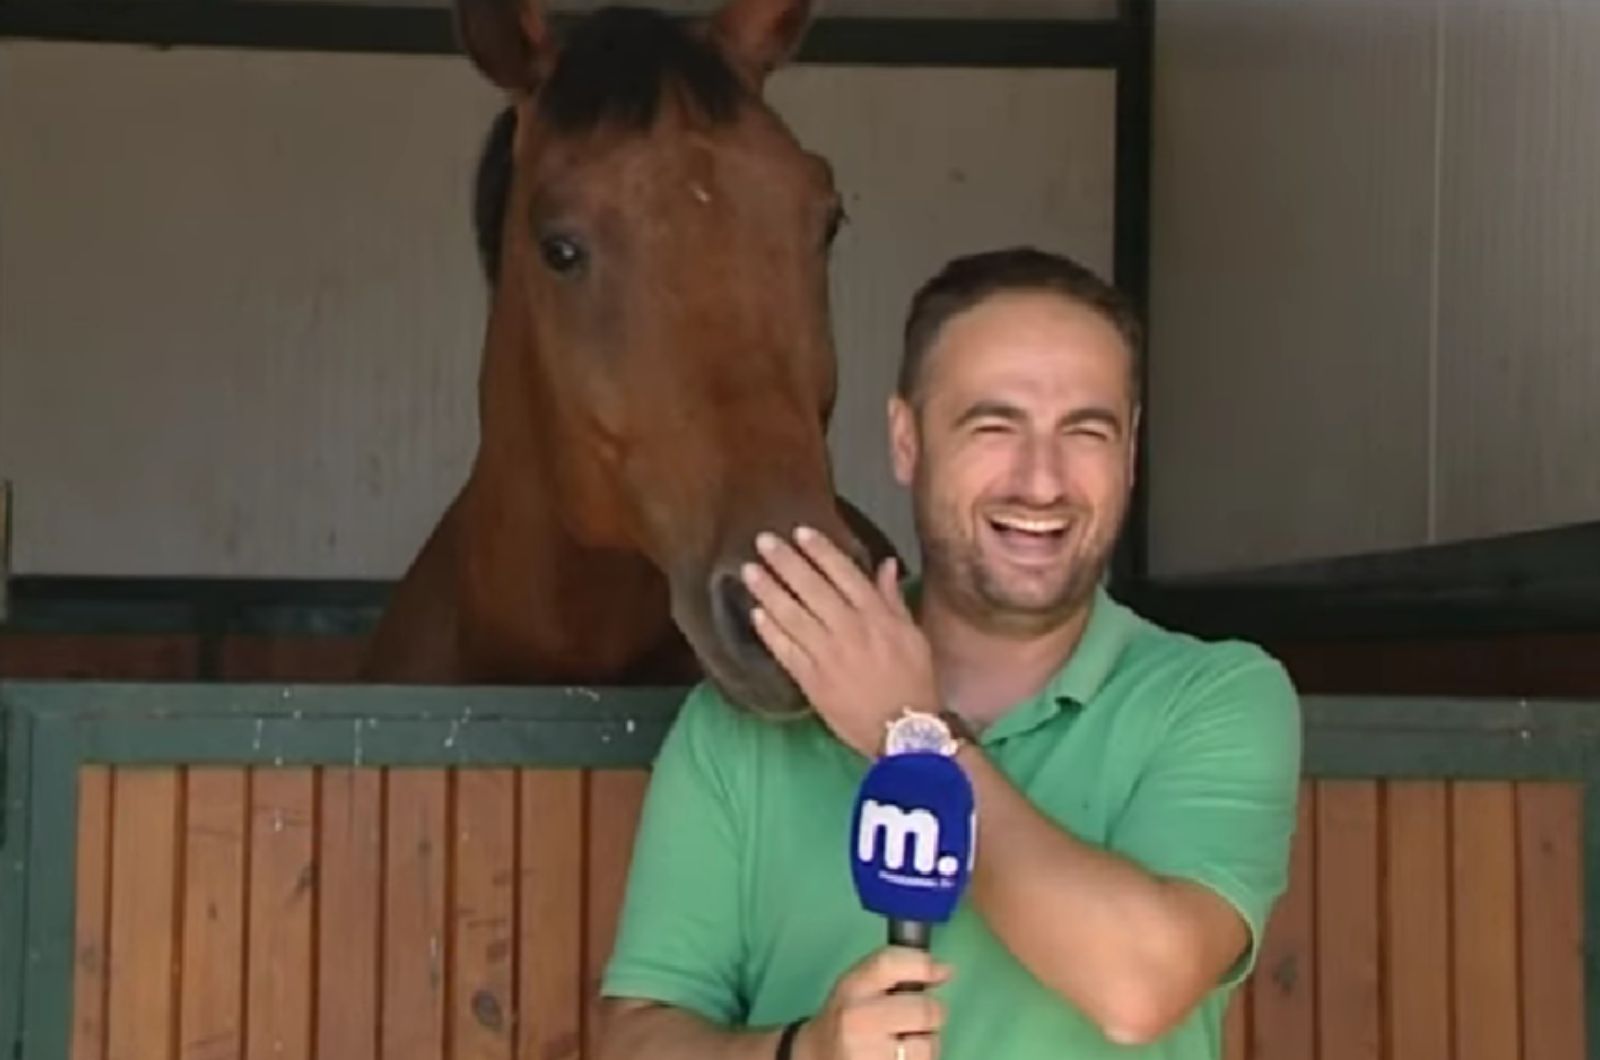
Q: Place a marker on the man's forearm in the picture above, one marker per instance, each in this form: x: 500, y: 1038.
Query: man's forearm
x: 1128, y: 948
x: 643, y: 1031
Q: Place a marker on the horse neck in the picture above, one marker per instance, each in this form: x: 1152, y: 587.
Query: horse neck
x: 516, y: 537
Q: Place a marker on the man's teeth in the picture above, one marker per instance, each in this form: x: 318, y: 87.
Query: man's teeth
x: 1030, y: 526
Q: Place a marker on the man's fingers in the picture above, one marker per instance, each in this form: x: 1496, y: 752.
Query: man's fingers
x: 892, y: 966
x: 784, y: 648
x: 869, y: 1021
x: 893, y: 1017
x: 782, y: 610
x: 889, y: 589
x: 910, y: 1015
x: 839, y: 568
x: 808, y: 585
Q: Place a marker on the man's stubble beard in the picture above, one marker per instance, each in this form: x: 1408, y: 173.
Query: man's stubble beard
x: 953, y: 567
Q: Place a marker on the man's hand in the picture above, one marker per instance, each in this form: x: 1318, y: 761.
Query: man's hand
x: 848, y: 642
x: 862, y: 1020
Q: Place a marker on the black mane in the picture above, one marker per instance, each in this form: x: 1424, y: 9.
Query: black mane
x: 614, y: 68
x: 492, y: 185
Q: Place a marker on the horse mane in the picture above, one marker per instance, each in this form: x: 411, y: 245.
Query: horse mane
x: 491, y: 186
x: 614, y: 69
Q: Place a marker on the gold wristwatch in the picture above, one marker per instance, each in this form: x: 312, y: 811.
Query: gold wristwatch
x: 940, y: 732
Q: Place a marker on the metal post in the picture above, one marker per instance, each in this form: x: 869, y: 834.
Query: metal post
x: 1136, y: 21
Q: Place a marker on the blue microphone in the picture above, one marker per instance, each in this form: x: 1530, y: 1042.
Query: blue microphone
x: 913, y: 837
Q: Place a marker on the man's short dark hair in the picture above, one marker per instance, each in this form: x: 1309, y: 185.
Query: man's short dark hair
x: 966, y: 281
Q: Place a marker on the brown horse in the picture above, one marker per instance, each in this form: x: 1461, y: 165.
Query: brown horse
x: 658, y: 370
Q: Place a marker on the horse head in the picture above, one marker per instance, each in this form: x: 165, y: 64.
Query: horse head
x: 660, y: 345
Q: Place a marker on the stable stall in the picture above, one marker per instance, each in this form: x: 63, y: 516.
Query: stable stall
x: 239, y: 324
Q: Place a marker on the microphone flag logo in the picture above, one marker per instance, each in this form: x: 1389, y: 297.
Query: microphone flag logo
x: 912, y: 837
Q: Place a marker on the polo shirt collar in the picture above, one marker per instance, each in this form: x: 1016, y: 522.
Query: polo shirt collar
x: 1111, y: 626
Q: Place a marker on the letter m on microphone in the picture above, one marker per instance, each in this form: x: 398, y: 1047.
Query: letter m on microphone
x: 913, y: 831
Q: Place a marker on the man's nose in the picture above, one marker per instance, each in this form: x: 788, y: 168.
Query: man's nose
x: 1043, y: 471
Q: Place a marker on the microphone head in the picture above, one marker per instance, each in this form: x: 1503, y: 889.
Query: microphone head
x: 913, y: 837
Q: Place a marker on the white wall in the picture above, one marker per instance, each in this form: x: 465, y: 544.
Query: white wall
x: 1518, y: 402
x: 240, y: 312
x: 1375, y: 276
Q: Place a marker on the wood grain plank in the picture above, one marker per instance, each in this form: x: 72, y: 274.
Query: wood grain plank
x: 1484, y: 920
x: 1524, y: 665
x: 211, y: 990
x: 90, y: 903
x: 415, y: 856
x: 1348, y: 1000
x: 616, y: 798
x: 281, y: 907
x: 550, y: 914
x: 1283, y: 1009
x: 482, y: 989
x: 349, y: 889
x: 1550, y: 861
x: 98, y: 657
x: 1417, y: 920
x: 145, y: 854
x: 322, y: 659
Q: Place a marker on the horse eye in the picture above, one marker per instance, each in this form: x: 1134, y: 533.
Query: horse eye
x: 560, y: 253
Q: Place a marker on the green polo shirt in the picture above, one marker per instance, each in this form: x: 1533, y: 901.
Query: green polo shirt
x: 1179, y: 754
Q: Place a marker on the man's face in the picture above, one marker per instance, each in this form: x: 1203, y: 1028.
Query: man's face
x: 1019, y: 453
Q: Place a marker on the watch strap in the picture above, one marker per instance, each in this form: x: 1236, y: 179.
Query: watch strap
x: 960, y: 728
x: 786, y: 1040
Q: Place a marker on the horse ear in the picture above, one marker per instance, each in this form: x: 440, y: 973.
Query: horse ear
x: 509, y: 41
x: 762, y: 34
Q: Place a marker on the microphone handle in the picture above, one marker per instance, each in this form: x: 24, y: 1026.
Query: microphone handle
x: 916, y: 935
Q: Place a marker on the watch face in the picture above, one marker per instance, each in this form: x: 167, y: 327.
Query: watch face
x: 915, y: 732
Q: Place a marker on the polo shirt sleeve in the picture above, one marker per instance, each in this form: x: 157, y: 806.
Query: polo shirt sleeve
x: 679, y: 936
x: 1217, y: 802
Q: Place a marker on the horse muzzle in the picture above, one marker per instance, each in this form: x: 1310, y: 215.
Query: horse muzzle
x: 742, y: 666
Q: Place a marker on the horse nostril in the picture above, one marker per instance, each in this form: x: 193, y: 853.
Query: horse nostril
x: 731, y: 603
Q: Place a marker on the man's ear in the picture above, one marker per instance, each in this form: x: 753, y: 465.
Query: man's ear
x: 762, y: 35
x: 905, y: 448
x: 509, y: 41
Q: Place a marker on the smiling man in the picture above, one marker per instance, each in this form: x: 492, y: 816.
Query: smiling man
x: 1136, y: 787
